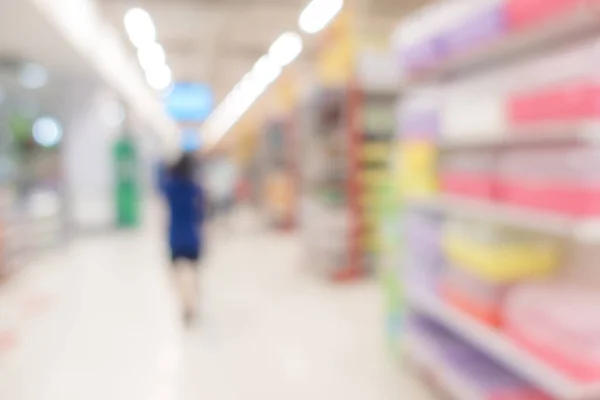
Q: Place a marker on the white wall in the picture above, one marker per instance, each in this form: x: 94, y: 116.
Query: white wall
x: 88, y: 164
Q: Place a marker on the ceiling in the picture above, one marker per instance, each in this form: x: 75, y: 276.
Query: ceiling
x: 218, y: 41
x: 25, y: 35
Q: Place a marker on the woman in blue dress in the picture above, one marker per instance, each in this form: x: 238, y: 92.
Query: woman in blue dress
x: 185, y: 201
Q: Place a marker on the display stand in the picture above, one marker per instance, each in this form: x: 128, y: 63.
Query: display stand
x: 499, y: 145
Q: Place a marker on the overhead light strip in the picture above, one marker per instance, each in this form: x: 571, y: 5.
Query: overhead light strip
x: 151, y: 55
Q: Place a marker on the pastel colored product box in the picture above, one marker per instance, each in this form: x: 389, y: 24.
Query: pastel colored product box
x: 488, y: 314
x: 522, y: 14
x: 423, y: 55
x: 480, y: 28
x: 552, y: 196
x: 559, y: 323
x: 577, y: 101
x: 491, y: 379
x: 422, y: 125
x: 423, y: 230
x: 476, y: 185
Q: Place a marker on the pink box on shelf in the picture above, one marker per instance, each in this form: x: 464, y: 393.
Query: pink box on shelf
x: 468, y: 174
x: 575, y: 101
x: 558, y: 323
x: 561, y: 179
x: 529, y: 13
x: 473, y: 296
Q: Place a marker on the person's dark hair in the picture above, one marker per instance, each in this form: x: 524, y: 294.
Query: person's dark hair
x: 184, y: 167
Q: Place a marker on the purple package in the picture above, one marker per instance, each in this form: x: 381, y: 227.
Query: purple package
x: 481, y: 371
x: 423, y: 230
x: 422, y: 55
x: 421, y: 125
x: 475, y: 31
x: 425, y: 261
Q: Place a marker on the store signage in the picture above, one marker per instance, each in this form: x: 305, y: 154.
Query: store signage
x: 190, y: 102
x: 190, y: 140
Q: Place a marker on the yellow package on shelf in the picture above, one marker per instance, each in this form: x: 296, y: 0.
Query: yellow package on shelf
x: 502, y: 262
x: 375, y: 152
x: 418, y: 169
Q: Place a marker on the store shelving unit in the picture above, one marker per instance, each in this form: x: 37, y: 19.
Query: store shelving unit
x: 448, y: 380
x: 503, y: 350
x: 583, y: 230
x: 345, y: 169
x: 582, y: 22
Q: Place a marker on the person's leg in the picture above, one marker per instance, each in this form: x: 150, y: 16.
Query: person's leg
x: 187, y: 285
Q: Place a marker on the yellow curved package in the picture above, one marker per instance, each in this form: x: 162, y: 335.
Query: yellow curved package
x: 502, y: 262
x: 418, y: 168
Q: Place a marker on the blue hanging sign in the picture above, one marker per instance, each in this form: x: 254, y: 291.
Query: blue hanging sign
x: 190, y: 102
x: 190, y: 140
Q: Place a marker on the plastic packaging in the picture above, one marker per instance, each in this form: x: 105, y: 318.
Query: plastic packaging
x: 482, y: 23
x: 561, y: 179
x: 474, y: 369
x: 499, y: 255
x: 425, y: 260
x: 559, y: 323
x: 474, y: 296
x: 529, y: 13
x: 468, y: 174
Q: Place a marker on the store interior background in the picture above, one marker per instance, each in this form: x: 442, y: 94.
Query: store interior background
x: 416, y: 213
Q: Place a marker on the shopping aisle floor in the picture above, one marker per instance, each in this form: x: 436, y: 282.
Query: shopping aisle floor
x: 100, y: 321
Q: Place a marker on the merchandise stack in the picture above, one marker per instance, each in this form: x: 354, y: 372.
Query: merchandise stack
x: 347, y: 140
x: 498, y: 128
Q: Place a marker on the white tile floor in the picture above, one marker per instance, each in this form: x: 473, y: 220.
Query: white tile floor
x: 99, y: 321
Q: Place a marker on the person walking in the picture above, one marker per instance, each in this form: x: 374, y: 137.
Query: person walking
x: 185, y: 200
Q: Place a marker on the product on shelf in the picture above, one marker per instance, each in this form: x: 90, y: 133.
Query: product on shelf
x: 419, y: 160
x: 500, y: 255
x: 474, y: 373
x: 470, y: 173
x: 576, y: 101
x: 555, y: 178
x: 424, y: 258
x: 559, y: 323
x: 483, y: 23
x: 476, y: 297
x: 528, y: 13
x: 477, y: 115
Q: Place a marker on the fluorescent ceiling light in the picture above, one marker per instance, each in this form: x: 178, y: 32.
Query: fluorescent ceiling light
x: 33, y: 76
x: 286, y: 48
x: 318, y: 14
x: 139, y: 27
x: 264, y: 72
x: 159, y: 78
x: 151, y: 56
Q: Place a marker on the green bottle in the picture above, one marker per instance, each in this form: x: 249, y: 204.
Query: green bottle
x: 127, y: 185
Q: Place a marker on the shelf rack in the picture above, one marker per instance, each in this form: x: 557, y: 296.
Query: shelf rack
x: 582, y: 22
x: 587, y: 230
x: 495, y: 345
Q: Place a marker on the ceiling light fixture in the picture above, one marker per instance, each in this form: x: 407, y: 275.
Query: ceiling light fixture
x: 264, y: 72
x: 140, y: 27
x: 318, y: 14
x: 286, y: 48
x: 151, y: 56
x: 159, y: 78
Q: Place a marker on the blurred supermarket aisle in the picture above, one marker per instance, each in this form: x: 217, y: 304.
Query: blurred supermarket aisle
x: 99, y: 321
